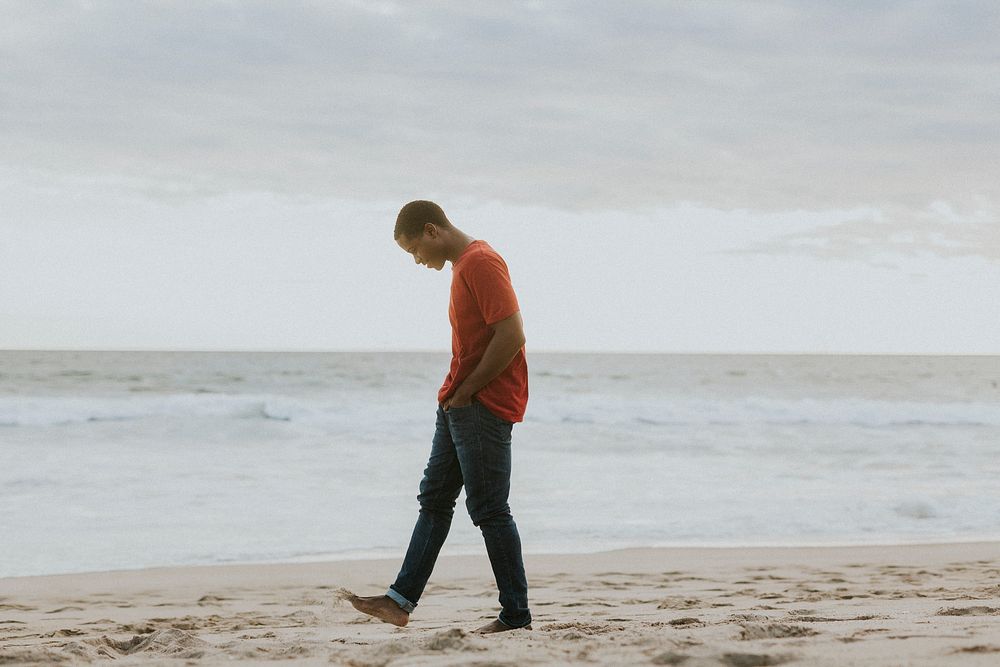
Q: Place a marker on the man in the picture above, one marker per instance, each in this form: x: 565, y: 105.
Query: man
x: 484, y: 394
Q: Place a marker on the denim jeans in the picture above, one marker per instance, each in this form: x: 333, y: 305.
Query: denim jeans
x: 472, y: 448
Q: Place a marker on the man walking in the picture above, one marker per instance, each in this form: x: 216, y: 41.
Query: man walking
x: 484, y: 394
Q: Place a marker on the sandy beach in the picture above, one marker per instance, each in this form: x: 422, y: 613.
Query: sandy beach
x: 894, y: 605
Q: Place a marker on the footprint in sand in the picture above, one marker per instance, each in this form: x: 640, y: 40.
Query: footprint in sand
x: 169, y: 642
x: 377, y: 654
x: 806, y: 618
x: 740, y: 618
x: 615, y: 585
x: 215, y: 600
x: 136, y: 628
x: 453, y: 639
x: 969, y: 611
x: 62, y: 609
x: 65, y: 632
x: 979, y: 648
x: 754, y: 659
x: 362, y: 620
x: 743, y: 592
x: 858, y: 635
x: 680, y: 603
x: 34, y: 656
x: 583, y: 627
x: 956, y: 567
x: 774, y: 631
x: 213, y: 621
x: 301, y: 618
x: 669, y: 658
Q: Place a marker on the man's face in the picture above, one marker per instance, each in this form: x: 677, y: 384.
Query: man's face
x: 426, y: 248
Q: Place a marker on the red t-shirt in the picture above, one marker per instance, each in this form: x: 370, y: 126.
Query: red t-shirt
x: 482, y: 295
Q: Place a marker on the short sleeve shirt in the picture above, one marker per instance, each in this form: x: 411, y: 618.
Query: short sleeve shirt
x: 482, y: 295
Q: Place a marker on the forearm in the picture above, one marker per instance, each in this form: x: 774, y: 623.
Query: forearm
x: 500, y: 351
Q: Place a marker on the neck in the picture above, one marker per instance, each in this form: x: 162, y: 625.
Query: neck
x: 456, y: 243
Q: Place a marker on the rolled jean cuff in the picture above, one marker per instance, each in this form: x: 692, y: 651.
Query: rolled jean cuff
x: 403, y: 603
x: 515, y: 627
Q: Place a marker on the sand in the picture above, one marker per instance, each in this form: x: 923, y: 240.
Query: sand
x: 895, y: 605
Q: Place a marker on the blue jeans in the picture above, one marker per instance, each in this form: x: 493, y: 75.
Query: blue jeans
x: 472, y: 448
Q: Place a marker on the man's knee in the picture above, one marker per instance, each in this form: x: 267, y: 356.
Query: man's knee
x: 435, y: 503
x: 490, y: 516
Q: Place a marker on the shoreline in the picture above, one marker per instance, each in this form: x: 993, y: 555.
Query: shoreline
x: 479, y: 551
x: 927, y: 604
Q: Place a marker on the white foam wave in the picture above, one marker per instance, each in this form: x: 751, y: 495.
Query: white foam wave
x: 57, y: 411
x: 756, y: 410
x: 575, y: 410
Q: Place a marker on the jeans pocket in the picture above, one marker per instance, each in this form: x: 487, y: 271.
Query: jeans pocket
x: 461, y: 413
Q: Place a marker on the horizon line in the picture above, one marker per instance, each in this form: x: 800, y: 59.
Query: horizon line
x: 747, y: 353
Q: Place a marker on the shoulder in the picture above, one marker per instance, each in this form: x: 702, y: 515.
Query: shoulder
x: 481, y: 256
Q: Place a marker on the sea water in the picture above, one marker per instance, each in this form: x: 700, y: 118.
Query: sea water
x: 112, y: 460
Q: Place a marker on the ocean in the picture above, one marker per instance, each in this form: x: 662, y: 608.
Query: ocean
x: 121, y: 460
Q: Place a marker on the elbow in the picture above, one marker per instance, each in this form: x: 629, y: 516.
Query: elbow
x: 513, y: 342
x: 509, y: 337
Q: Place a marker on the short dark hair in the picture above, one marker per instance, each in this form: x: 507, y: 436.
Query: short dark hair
x: 412, y: 218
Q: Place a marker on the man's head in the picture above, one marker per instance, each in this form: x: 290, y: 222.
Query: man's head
x: 423, y: 230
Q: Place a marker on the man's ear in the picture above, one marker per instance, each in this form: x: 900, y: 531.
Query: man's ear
x: 430, y: 230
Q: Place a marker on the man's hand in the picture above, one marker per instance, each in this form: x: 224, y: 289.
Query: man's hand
x: 507, y: 340
x: 457, y: 400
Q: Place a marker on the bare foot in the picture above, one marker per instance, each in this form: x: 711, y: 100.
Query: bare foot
x: 381, y: 607
x: 497, y: 626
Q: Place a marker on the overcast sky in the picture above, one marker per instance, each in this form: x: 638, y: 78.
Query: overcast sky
x: 660, y: 176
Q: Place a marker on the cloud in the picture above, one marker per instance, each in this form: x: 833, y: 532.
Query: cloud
x: 567, y: 104
x: 938, y: 231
